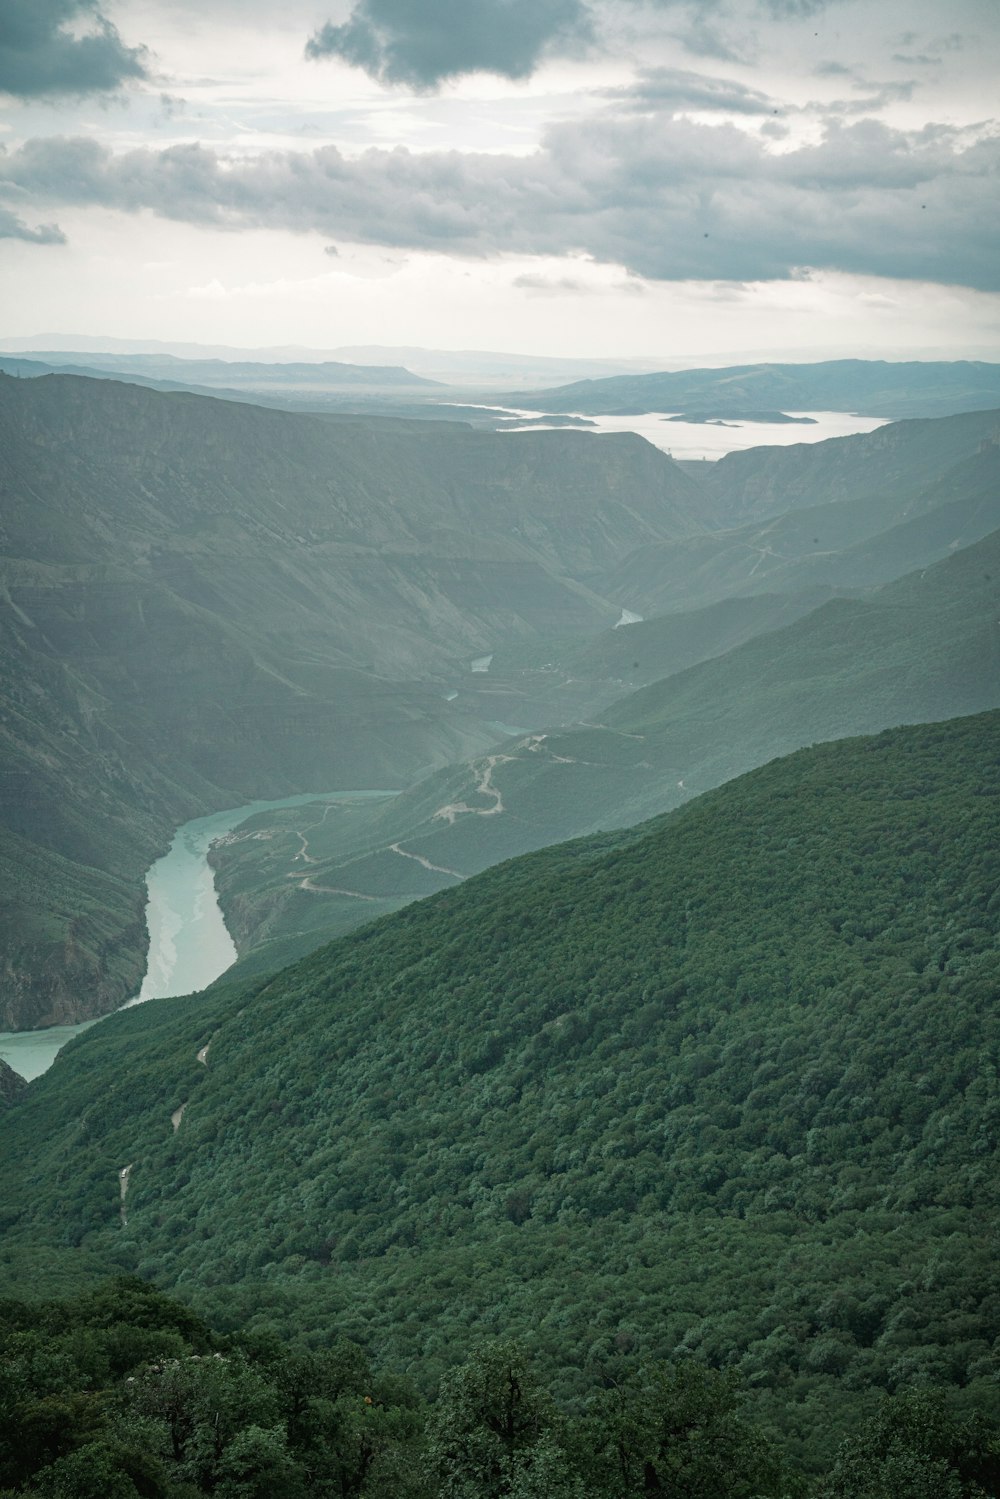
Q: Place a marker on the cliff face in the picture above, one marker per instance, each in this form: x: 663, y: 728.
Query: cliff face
x: 203, y: 603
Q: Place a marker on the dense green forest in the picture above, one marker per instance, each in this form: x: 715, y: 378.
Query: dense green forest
x: 722, y: 1087
x: 123, y: 1392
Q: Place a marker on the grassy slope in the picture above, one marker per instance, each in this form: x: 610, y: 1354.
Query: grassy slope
x: 724, y: 1084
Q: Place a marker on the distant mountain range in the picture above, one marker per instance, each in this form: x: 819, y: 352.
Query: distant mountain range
x: 237, y: 374
x: 871, y: 386
x: 765, y: 392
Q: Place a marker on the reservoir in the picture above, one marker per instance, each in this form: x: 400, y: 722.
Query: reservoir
x: 707, y: 440
x: 189, y: 945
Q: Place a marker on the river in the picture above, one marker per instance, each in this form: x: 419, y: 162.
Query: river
x: 189, y: 945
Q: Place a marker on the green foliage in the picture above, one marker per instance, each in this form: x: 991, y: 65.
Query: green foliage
x: 681, y: 1431
x: 916, y: 1446
x: 721, y: 1086
x: 493, y: 1434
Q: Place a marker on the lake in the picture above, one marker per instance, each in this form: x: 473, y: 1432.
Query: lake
x: 702, y: 440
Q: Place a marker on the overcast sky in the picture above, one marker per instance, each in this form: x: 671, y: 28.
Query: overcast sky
x: 672, y: 179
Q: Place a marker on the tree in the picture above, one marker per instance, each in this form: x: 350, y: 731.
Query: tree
x: 494, y: 1434
x: 915, y: 1446
x: 680, y: 1432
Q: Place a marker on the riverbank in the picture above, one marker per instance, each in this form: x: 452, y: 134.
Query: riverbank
x: 189, y: 944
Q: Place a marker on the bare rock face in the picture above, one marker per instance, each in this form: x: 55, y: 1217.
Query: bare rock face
x: 12, y: 1084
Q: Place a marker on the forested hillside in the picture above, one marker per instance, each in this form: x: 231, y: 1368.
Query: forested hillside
x: 123, y: 1392
x: 723, y: 1086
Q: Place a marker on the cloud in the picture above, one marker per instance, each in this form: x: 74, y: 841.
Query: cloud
x: 666, y: 199
x: 705, y: 38
x: 45, y: 51
x: 676, y: 89
x: 794, y: 10
x: 538, y: 284
x: 881, y: 95
x: 424, y: 42
x: 11, y: 227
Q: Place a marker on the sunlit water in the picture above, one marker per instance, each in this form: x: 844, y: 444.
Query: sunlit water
x: 699, y: 440
x: 189, y: 945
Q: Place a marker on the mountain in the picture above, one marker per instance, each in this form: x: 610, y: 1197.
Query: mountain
x: 305, y: 395
x: 903, y: 389
x: 249, y: 374
x: 721, y: 1087
x: 202, y: 602
x: 464, y: 366
x: 924, y: 647
x: 849, y: 513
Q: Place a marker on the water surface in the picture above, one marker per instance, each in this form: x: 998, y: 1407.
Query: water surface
x: 189, y: 945
x: 702, y: 440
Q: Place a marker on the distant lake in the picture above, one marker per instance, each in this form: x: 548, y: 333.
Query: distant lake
x: 189, y: 945
x: 700, y: 440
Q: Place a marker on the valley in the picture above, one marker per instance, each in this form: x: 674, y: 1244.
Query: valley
x: 732, y: 1067
x: 650, y: 1021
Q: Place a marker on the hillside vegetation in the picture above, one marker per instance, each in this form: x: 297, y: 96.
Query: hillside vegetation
x: 724, y: 1086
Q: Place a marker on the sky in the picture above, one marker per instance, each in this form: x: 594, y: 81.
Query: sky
x: 669, y: 180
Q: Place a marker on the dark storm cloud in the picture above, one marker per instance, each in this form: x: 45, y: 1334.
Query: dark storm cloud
x: 424, y: 42
x: 11, y: 227
x: 44, y: 52
x: 668, y: 199
x: 676, y: 89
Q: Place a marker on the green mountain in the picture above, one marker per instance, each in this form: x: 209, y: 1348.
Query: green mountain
x: 202, y: 603
x: 722, y: 1086
x: 903, y: 389
x: 924, y: 647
